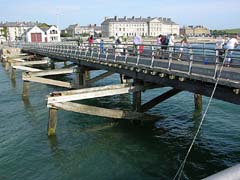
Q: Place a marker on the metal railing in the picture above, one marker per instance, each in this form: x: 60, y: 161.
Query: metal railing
x: 189, y: 59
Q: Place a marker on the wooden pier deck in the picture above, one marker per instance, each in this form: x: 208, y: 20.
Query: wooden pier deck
x: 197, y: 72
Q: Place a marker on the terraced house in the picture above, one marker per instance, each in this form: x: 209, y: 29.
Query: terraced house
x: 141, y: 26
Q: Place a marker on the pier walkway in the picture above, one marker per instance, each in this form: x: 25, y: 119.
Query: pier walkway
x: 196, y: 72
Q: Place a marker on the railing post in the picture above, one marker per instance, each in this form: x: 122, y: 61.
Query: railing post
x: 152, y: 62
x: 106, y: 58
x: 190, y: 60
x: 126, y: 55
x: 170, y: 58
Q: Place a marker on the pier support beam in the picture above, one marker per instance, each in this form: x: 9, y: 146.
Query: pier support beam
x: 52, y: 121
x: 159, y: 99
x: 124, y: 79
x: 52, y: 64
x: 25, y: 89
x: 80, y: 76
x: 13, y: 75
x: 137, y: 98
x: 6, y: 66
x: 198, y: 101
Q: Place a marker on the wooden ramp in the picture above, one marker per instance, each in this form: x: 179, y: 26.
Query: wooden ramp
x: 61, y: 100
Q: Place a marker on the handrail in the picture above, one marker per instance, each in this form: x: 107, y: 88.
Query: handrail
x: 148, y: 57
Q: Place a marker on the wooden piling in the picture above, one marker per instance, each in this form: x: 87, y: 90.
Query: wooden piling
x: 13, y: 75
x: 52, y: 64
x: 137, y: 98
x: 80, y: 76
x: 198, y: 101
x: 25, y: 89
x: 52, y: 121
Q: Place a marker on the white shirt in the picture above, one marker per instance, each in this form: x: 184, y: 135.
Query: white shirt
x: 231, y: 43
x: 137, y: 40
x: 171, y: 40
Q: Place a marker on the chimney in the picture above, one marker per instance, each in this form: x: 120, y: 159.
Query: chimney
x: 116, y: 18
x: 125, y: 18
x: 105, y: 18
x: 133, y: 17
x: 140, y: 17
x: 164, y: 19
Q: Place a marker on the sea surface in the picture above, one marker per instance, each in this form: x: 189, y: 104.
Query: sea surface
x: 97, y: 148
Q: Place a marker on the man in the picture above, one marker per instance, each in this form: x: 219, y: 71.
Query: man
x: 137, y: 40
x: 231, y: 44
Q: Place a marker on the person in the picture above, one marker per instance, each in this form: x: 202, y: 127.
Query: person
x: 90, y: 42
x: 102, y: 50
x: 119, y: 47
x: 137, y: 40
x: 184, y: 43
x: 159, y: 43
x: 231, y: 44
x: 219, y: 48
x: 171, y: 42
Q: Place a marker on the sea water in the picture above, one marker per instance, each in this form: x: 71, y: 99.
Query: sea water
x: 90, y: 147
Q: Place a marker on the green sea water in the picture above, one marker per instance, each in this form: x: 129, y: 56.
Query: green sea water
x: 96, y: 148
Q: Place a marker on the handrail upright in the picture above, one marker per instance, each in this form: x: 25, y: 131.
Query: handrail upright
x: 152, y: 58
x: 190, y: 60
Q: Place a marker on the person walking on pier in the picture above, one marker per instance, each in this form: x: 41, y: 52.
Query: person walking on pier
x: 102, y: 50
x: 231, y: 44
x: 137, y: 40
x: 90, y: 42
x: 184, y: 43
x: 219, y: 49
x: 159, y: 44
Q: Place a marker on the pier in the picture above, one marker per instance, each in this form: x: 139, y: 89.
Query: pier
x: 197, y: 72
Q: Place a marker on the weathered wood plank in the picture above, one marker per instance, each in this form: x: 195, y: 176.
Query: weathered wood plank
x: 92, y: 89
x: 26, y: 63
x: 159, y: 99
x: 24, y: 68
x: 103, y: 112
x: 90, y: 94
x: 95, y: 79
x: 52, y: 72
x: 46, y: 81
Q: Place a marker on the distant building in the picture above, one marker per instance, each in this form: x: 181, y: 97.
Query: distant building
x: 37, y: 34
x: 141, y: 26
x: 13, y: 31
x: 76, y: 30
x: 194, y: 31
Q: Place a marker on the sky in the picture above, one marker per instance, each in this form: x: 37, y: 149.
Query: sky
x: 213, y: 14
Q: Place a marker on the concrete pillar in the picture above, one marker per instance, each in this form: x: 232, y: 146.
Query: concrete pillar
x: 52, y: 121
x: 25, y: 89
x: 198, y: 101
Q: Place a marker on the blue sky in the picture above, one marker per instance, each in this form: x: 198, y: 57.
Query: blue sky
x: 214, y: 14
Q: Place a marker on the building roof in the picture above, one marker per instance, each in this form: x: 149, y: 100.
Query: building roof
x: 18, y: 24
x: 138, y: 19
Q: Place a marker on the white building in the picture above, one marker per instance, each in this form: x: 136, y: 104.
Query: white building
x: 52, y: 34
x: 141, y: 26
x: 76, y: 30
x: 37, y: 34
x: 13, y: 31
